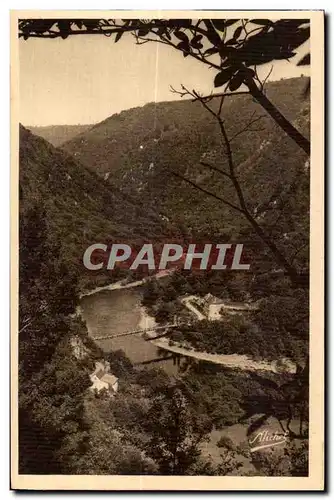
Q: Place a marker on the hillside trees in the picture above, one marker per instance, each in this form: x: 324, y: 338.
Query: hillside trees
x: 51, y: 381
x: 47, y: 292
x: 176, y: 433
x: 292, y: 461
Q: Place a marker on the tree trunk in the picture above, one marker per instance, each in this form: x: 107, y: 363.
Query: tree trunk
x: 277, y: 116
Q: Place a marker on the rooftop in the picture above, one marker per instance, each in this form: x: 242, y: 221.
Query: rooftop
x: 109, y: 378
x: 102, y: 373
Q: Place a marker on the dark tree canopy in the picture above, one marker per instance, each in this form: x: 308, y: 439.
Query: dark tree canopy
x: 248, y: 42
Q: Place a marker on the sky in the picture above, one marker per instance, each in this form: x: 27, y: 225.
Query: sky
x: 85, y: 79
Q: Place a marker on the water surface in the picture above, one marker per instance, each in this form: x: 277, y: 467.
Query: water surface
x: 117, y: 311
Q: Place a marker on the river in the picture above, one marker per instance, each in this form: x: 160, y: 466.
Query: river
x: 110, y: 312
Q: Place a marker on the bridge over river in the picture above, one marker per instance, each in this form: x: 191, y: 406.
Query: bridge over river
x: 141, y: 331
x: 234, y: 361
x: 100, y: 316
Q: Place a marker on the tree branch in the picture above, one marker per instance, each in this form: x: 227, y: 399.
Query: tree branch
x: 280, y: 258
x: 209, y: 193
x: 247, y: 126
x: 222, y: 94
x: 216, y: 169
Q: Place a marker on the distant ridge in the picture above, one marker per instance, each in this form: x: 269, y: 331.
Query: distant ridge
x: 58, y: 134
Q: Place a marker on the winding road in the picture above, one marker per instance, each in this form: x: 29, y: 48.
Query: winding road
x: 235, y: 361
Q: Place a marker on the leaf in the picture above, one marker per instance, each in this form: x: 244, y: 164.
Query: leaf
x: 43, y: 25
x: 90, y: 24
x: 285, y: 55
x: 181, y: 36
x: 211, y: 51
x: 305, y: 61
x: 301, y: 36
x: 229, y: 22
x: 291, y: 23
x: 261, y: 22
x: 118, y: 36
x: 219, y: 24
x: 161, y: 31
x: 248, y: 71
x: 197, y: 46
x: 195, y: 41
x: 226, y: 51
x: 184, y: 46
x: 212, y: 34
x: 181, y: 23
x: 258, y: 59
x: 64, y: 27
x: 236, y: 81
x: 237, y: 33
x: 291, y: 37
x: 230, y: 41
x: 223, y: 77
x: 143, y: 31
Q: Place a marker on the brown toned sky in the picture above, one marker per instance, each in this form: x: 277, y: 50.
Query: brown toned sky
x: 85, y: 79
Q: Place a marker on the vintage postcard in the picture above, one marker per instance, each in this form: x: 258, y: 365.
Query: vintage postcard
x: 167, y: 296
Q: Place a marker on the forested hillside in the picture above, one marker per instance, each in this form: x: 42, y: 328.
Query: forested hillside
x: 77, y: 207
x: 139, y: 149
x: 58, y: 134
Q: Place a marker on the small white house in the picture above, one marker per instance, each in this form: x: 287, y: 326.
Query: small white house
x: 102, y: 378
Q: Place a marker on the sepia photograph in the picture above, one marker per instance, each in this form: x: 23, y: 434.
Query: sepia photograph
x: 167, y: 250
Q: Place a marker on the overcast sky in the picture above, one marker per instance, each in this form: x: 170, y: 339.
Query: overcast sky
x: 85, y: 79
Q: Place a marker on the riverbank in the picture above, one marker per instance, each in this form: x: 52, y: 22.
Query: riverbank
x: 120, y: 285
x: 235, y: 361
x: 109, y: 311
x: 146, y: 321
